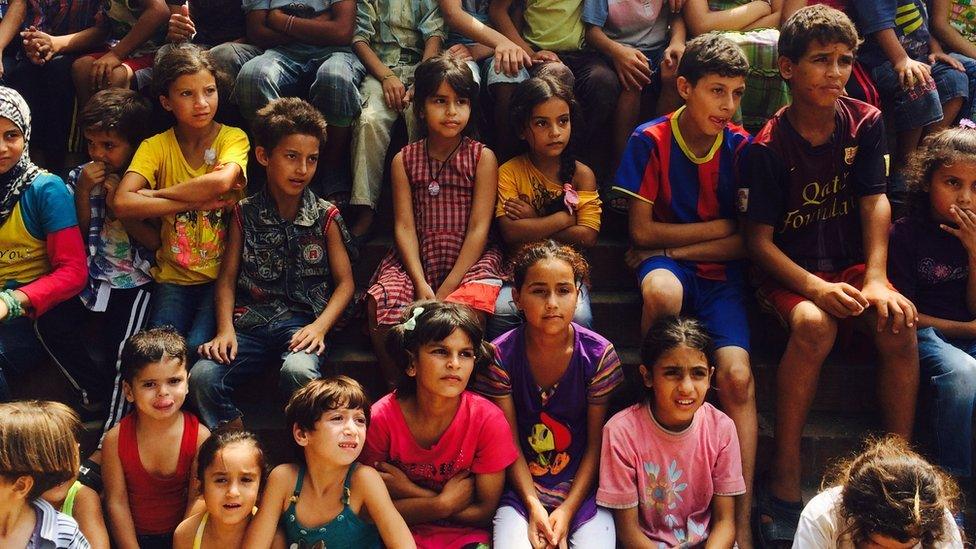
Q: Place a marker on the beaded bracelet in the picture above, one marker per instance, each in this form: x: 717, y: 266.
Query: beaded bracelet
x: 14, y: 308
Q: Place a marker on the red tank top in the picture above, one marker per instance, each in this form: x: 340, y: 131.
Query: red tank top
x: 157, y: 503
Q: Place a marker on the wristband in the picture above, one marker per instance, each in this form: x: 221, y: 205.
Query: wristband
x: 391, y: 75
x: 14, y: 308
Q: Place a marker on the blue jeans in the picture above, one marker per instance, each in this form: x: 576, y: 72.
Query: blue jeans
x: 19, y: 351
x: 949, y: 365
x: 213, y: 384
x: 329, y: 76
x: 508, y: 317
x: 189, y: 309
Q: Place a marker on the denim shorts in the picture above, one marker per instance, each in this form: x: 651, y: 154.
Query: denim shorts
x: 922, y: 105
x: 719, y: 304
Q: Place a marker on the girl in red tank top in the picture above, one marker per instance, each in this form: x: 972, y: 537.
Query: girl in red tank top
x: 150, y: 456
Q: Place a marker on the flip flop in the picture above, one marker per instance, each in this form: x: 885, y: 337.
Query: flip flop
x: 785, y: 517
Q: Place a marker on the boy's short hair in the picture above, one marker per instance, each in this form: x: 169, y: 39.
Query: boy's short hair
x: 118, y: 110
x: 39, y: 441
x: 316, y: 397
x: 287, y: 116
x: 149, y: 347
x: 815, y: 23
x: 712, y: 53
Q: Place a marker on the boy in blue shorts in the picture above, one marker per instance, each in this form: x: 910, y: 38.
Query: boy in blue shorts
x: 925, y: 87
x: 678, y: 171
x: 817, y: 223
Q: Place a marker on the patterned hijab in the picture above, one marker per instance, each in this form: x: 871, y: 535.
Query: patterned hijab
x: 22, y: 174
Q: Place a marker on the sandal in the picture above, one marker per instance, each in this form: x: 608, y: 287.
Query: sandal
x: 784, y: 517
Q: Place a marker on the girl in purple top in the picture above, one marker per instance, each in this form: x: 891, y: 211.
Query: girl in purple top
x: 931, y: 254
x: 552, y: 378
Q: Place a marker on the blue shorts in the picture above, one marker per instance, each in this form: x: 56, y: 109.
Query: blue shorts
x: 719, y: 304
x: 922, y: 105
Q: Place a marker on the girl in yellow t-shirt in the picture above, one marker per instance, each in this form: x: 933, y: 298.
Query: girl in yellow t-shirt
x: 545, y: 192
x: 187, y: 176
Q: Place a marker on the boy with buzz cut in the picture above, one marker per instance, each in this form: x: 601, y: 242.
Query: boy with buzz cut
x: 817, y: 228
x: 117, y: 295
x: 285, y: 278
x: 678, y: 172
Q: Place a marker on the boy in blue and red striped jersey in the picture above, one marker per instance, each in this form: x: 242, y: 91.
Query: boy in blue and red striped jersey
x: 679, y: 171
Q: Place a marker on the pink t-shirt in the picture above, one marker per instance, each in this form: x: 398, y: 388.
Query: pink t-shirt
x: 479, y: 440
x: 671, y: 477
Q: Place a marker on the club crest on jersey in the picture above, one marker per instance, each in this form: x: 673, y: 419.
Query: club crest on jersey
x: 312, y: 253
x: 849, y: 154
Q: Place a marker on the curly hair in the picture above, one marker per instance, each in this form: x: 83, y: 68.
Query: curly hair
x: 818, y: 23
x: 890, y: 490
x: 537, y: 90
x: 534, y: 252
x: 286, y: 116
x: 937, y: 150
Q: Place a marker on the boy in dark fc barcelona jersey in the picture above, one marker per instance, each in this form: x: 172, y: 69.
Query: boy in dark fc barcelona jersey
x: 817, y: 228
x: 679, y: 172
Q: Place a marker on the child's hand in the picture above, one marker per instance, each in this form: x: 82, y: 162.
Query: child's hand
x: 110, y: 184
x: 92, y: 175
x: 966, y: 233
x: 222, y: 348
x: 4, y: 311
x: 559, y: 520
x: 911, y: 72
x: 672, y: 56
x: 423, y: 291
x: 510, y: 59
x: 840, y: 299
x: 39, y: 46
x: 461, y: 52
x: 891, y: 307
x: 545, y: 56
x: 676, y: 5
x: 397, y: 482
x: 519, y: 208
x: 394, y: 92
x: 947, y: 59
x: 540, y: 531
x: 458, y: 492
x: 181, y: 27
x: 102, y: 68
x: 310, y: 339
x: 632, y: 68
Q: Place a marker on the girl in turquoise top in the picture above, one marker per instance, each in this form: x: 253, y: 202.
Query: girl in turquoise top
x: 327, y: 498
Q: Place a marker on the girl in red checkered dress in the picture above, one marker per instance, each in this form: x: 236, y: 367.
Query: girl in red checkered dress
x: 443, y: 198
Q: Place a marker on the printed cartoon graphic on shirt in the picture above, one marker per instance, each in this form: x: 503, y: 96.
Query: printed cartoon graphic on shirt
x: 931, y: 271
x: 550, y: 440
x: 191, y: 248
x: 664, y: 496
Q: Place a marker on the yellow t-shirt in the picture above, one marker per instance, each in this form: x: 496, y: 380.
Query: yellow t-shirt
x: 519, y: 176
x: 554, y: 25
x: 192, y: 242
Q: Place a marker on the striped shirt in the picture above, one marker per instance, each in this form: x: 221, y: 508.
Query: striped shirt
x: 55, y: 530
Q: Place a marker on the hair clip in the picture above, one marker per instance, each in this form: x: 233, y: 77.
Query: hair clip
x: 411, y: 323
x: 570, y: 198
x: 967, y: 123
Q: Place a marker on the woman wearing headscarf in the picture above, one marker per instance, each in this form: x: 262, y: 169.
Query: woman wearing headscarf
x: 42, y: 258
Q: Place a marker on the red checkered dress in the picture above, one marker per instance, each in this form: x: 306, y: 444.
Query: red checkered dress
x: 442, y: 222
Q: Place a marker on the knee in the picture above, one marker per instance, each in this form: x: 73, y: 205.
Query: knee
x: 812, y: 328
x: 119, y: 77
x: 204, y: 376
x: 81, y: 67
x: 297, y: 370
x: 662, y: 293
x: 604, y: 83
x: 904, y: 343
x: 736, y: 383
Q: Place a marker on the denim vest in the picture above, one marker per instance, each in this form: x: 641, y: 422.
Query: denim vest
x: 284, y: 264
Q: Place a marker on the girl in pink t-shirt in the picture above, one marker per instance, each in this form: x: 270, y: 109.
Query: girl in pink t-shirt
x: 441, y: 450
x: 670, y: 466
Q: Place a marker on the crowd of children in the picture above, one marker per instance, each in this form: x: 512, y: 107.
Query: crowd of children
x: 155, y: 275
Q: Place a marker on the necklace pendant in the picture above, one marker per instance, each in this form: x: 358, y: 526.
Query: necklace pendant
x: 434, y: 189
